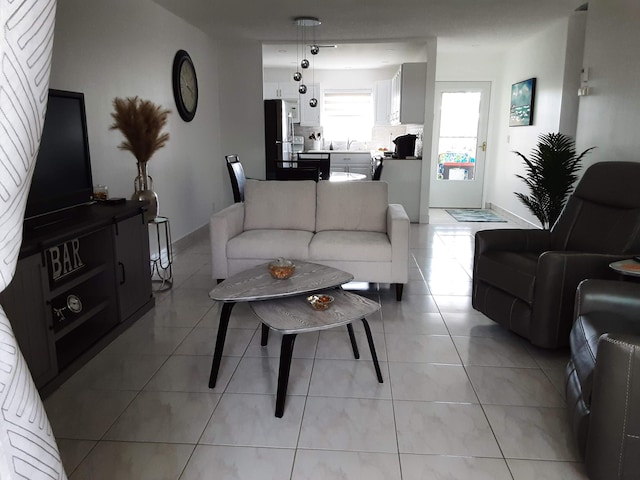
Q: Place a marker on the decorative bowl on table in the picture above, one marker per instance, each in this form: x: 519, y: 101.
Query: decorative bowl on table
x: 281, y: 268
x: 320, y: 301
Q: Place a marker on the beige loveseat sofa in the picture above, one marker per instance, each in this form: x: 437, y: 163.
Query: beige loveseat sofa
x: 346, y: 225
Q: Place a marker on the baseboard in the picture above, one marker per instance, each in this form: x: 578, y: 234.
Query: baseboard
x: 191, y: 239
x: 512, y: 217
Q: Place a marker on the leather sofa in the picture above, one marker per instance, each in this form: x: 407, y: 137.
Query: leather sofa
x: 346, y: 225
x: 603, y: 378
x: 525, y: 279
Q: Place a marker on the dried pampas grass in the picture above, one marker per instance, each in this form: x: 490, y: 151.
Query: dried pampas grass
x: 141, y: 123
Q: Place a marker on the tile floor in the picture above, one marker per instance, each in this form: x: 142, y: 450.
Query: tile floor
x: 462, y: 398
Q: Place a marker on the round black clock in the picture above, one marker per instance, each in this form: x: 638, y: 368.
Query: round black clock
x: 185, y: 85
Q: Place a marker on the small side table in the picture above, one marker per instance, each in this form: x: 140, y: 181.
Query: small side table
x: 161, y: 271
x: 628, y: 269
x: 294, y: 315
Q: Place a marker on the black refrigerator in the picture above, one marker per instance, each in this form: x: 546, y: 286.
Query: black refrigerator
x: 278, y: 137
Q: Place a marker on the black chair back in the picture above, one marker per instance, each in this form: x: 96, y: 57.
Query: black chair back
x: 377, y: 170
x: 238, y: 179
x: 319, y: 161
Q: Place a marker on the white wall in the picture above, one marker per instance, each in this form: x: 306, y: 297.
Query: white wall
x: 609, y: 117
x: 541, y: 56
x: 241, y: 108
x: 125, y: 48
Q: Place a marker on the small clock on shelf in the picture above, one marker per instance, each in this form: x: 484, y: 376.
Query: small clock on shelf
x: 185, y: 85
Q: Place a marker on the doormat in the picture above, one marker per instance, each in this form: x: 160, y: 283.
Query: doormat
x: 474, y: 215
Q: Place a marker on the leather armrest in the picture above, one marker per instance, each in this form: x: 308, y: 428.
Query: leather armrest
x: 557, y: 278
x: 223, y: 226
x: 616, y: 297
x: 613, y: 443
x: 398, y: 233
x: 513, y: 240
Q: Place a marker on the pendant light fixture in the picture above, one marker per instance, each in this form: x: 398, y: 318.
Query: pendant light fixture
x: 302, y: 23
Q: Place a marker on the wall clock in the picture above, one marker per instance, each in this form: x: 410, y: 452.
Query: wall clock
x: 185, y: 85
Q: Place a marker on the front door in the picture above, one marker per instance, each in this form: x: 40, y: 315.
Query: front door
x: 460, y: 142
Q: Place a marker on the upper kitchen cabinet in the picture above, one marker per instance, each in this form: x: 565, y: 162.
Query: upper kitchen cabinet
x: 310, y: 116
x: 283, y: 90
x: 287, y: 91
x: 382, y: 102
x: 408, y: 87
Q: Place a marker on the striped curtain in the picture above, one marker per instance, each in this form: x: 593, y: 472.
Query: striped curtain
x: 28, y: 448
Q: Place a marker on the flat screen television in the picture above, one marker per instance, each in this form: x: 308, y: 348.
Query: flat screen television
x: 62, y: 175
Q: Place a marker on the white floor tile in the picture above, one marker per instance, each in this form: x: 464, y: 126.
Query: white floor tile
x: 430, y: 382
x: 444, y: 429
x: 359, y: 425
x: 440, y: 467
x: 249, y: 420
x: 328, y: 465
x: 239, y: 463
x: 128, y: 460
x: 349, y: 378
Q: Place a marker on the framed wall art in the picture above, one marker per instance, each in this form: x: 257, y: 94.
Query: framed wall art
x: 522, y: 100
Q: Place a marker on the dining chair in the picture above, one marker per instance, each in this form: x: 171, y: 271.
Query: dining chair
x: 286, y: 171
x: 320, y: 161
x: 238, y: 179
x: 376, y: 170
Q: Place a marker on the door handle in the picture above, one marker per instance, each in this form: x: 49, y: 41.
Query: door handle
x: 484, y: 146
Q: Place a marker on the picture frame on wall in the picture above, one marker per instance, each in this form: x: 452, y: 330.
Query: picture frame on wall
x: 523, y: 95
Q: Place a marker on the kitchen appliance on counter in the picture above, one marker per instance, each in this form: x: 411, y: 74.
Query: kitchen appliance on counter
x: 405, y: 146
x: 278, y: 137
x: 298, y: 144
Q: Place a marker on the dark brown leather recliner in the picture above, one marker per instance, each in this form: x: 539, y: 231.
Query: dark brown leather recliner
x: 525, y: 279
x: 603, y: 378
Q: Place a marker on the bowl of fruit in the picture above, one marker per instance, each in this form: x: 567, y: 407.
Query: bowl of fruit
x: 281, y: 268
x: 320, y: 301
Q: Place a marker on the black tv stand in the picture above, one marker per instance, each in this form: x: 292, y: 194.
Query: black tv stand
x: 83, y: 277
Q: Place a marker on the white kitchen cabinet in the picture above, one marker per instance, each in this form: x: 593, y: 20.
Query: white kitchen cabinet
x: 404, y: 180
x: 382, y: 102
x: 283, y: 90
x: 287, y: 91
x: 352, y: 162
x: 408, y: 87
x: 310, y: 116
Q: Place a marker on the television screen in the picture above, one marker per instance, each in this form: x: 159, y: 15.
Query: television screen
x: 62, y: 175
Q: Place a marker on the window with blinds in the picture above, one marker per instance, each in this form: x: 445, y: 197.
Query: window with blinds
x: 347, y: 114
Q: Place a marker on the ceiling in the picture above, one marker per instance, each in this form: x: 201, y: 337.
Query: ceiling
x: 372, y: 33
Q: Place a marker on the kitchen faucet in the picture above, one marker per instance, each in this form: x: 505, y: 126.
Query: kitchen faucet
x: 349, y: 142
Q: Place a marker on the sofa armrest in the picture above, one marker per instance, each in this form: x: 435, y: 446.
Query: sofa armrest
x: 557, y: 278
x: 398, y: 233
x: 512, y: 240
x: 223, y: 226
x: 613, y: 442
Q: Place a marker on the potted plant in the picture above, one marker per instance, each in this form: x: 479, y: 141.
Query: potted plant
x: 551, y: 173
x: 141, y: 122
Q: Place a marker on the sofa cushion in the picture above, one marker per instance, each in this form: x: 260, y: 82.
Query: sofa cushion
x: 281, y: 205
x: 513, y: 272
x: 270, y: 244
x: 344, y: 245
x: 352, y: 206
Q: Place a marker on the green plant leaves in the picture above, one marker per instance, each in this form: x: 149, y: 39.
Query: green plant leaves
x: 551, y: 172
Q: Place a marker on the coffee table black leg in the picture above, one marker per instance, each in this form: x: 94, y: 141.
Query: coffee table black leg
x: 372, y: 347
x: 354, y: 344
x: 222, y: 334
x: 264, y: 338
x: 286, y: 352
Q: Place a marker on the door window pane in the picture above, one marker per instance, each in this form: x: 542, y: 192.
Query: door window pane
x: 458, y: 142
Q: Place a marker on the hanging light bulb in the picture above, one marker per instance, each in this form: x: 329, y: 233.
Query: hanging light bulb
x: 315, y: 49
x: 297, y: 76
x: 304, y: 63
x: 313, y: 102
x: 302, y: 88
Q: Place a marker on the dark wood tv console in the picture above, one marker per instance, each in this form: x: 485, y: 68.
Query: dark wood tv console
x: 83, y: 277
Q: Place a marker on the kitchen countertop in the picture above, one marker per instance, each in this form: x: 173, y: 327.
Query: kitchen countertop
x: 338, y: 151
